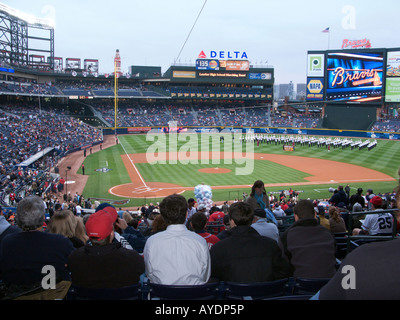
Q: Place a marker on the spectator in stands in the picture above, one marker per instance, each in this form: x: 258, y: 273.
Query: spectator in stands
x: 323, y: 221
x: 289, y: 210
x: 24, y: 254
x: 191, y: 209
x: 372, y: 266
x: 65, y: 223
x: 246, y: 256
x: 370, y: 194
x: 339, y: 197
x: 357, y: 198
x: 199, y: 222
x: 336, y: 222
x: 158, y: 224
x: 128, y: 218
x: 284, y: 205
x: 376, y: 224
x: 258, y: 198
x: 225, y: 207
x: 263, y: 227
x: 217, y: 216
x: 128, y: 236
x: 278, y: 212
x: 5, y: 227
x: 104, y: 263
x: 308, y: 246
x: 176, y: 256
x: 80, y: 231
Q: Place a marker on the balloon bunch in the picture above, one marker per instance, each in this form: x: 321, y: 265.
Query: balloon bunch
x: 203, y: 194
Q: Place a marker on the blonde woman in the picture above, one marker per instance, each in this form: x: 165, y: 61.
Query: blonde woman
x: 80, y: 231
x: 64, y: 222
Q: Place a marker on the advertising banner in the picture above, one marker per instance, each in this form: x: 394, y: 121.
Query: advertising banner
x: 260, y: 76
x: 184, y: 74
x: 393, y: 64
x: 315, y: 89
x: 315, y: 65
x: 392, y: 90
x: 58, y: 63
x: 73, y: 63
x: 91, y: 65
x: 240, y: 65
x: 222, y: 75
x: 207, y: 64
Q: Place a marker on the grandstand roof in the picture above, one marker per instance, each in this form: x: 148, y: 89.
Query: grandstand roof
x: 35, y: 157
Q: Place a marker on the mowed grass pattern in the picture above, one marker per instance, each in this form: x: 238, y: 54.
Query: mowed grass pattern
x: 384, y: 158
x: 188, y: 175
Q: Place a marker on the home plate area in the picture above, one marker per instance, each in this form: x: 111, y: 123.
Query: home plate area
x: 144, y: 189
x: 150, y: 189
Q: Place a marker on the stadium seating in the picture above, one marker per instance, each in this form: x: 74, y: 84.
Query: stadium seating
x: 36, y: 293
x: 284, y: 222
x: 133, y: 292
x: 306, y: 286
x: 209, y: 291
x: 255, y: 291
x: 214, y: 227
x: 21, y: 141
x: 273, y: 290
x: 287, y: 298
x: 386, y: 125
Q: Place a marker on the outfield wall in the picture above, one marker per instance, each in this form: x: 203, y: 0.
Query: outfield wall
x: 289, y: 131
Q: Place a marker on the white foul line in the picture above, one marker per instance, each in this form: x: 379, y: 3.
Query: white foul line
x: 133, y: 165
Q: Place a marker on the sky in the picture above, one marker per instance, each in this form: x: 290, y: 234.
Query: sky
x: 153, y: 32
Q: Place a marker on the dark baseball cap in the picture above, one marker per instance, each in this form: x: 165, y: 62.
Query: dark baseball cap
x: 260, y: 213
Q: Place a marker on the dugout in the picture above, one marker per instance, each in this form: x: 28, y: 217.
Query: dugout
x: 348, y: 117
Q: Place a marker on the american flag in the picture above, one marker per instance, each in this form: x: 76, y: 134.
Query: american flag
x: 326, y: 30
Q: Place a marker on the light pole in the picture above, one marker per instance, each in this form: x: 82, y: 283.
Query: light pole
x: 66, y: 181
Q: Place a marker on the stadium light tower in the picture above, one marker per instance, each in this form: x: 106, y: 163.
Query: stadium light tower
x: 16, y: 37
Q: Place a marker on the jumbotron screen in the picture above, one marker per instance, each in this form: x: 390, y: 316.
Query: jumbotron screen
x: 355, y: 77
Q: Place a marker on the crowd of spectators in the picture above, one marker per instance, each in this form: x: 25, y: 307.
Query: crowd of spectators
x: 243, y: 241
x: 28, y: 131
x: 187, y: 115
x: 161, y: 114
x: 146, y: 241
x: 391, y: 124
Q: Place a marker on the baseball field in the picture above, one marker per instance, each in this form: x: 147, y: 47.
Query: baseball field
x: 142, y: 169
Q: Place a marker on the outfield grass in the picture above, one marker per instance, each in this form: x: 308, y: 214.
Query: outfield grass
x: 383, y: 158
x: 187, y: 175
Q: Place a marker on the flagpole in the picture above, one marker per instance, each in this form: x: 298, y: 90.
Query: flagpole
x: 328, y: 31
x: 329, y: 39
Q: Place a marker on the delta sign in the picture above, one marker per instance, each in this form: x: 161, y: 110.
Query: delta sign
x: 227, y: 60
x: 224, y: 55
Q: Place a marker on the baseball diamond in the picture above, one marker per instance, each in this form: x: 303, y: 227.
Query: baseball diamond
x: 307, y: 168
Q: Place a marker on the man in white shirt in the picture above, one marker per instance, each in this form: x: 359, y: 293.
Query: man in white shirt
x: 176, y: 256
x: 78, y: 209
x: 376, y: 224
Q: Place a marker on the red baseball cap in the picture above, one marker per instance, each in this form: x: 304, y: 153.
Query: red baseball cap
x: 376, y: 201
x: 100, y: 224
